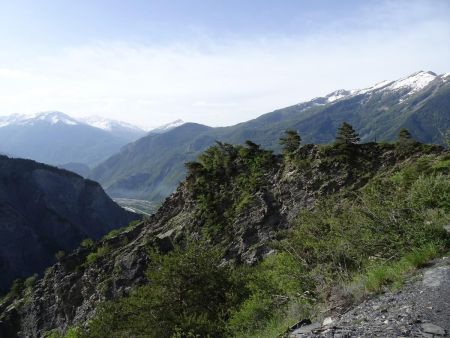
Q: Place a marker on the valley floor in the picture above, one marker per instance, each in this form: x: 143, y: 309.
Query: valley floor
x: 142, y: 207
x: 420, y: 309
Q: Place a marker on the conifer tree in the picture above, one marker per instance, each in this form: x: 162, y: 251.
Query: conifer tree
x: 347, y: 135
x: 290, y: 141
x: 404, y: 136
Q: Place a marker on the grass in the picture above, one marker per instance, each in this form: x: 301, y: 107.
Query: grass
x: 276, y: 326
x: 381, y: 276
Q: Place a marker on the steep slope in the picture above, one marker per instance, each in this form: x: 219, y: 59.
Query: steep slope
x: 249, y: 198
x: 43, y: 210
x: 56, y: 138
x: 154, y: 164
x: 152, y: 167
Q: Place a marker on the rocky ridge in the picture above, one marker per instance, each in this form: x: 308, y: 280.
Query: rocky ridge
x: 71, y: 289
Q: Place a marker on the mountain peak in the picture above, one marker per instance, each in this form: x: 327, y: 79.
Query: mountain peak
x: 166, y: 127
x: 414, y: 82
x: 52, y: 117
x: 107, y: 124
x: 337, y: 94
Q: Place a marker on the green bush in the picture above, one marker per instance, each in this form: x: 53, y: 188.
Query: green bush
x: 30, y: 281
x: 94, y: 256
x: 87, y: 243
x: 189, y: 294
x: 59, y: 255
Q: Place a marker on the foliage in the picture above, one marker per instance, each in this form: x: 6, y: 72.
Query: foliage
x: 73, y: 332
x: 17, y: 288
x: 404, y: 136
x: 371, y: 239
x: 189, y: 294
x: 87, y: 243
x: 60, y: 254
x: 290, y: 141
x: 346, y: 134
x: 384, y: 274
x: 224, y: 181
x: 30, y: 281
x: 94, y: 256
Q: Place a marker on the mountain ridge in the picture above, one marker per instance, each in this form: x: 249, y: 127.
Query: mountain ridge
x: 44, y: 209
x: 276, y: 189
x: 419, y: 102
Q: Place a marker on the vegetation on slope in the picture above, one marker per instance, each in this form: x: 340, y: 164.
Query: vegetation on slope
x: 353, y: 242
x: 152, y: 167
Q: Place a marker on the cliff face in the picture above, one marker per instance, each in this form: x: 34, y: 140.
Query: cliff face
x: 71, y: 289
x: 44, y: 210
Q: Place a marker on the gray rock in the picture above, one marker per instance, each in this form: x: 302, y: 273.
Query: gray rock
x: 433, y: 329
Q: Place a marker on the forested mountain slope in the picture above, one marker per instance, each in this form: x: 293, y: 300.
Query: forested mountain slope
x: 152, y: 167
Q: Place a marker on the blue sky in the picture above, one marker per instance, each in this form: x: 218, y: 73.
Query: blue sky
x: 215, y: 62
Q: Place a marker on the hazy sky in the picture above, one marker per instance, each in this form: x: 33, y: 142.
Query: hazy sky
x: 216, y: 62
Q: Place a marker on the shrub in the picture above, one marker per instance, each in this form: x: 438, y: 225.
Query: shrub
x: 87, y: 243
x: 94, y: 256
x: 189, y: 294
x: 59, y: 255
x: 30, y: 281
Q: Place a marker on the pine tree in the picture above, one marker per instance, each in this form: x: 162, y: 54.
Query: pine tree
x: 347, y: 135
x: 404, y: 136
x: 290, y: 141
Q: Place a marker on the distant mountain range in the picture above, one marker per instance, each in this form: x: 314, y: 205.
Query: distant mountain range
x: 56, y: 138
x: 151, y: 167
x: 43, y: 210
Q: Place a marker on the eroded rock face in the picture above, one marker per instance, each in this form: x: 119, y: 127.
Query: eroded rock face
x: 71, y: 289
x: 43, y: 210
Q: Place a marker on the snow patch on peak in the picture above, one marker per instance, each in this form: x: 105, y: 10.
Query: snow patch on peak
x: 11, y: 119
x: 107, y: 124
x: 445, y: 77
x: 166, y: 127
x: 414, y: 82
x: 377, y: 86
x: 52, y: 117
x: 337, y: 95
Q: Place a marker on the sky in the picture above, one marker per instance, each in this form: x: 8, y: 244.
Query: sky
x: 216, y: 62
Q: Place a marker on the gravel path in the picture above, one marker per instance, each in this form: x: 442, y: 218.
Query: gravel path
x: 420, y: 309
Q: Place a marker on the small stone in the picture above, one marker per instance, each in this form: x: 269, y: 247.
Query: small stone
x: 433, y: 329
x: 327, y: 321
x: 306, y: 329
x: 427, y: 335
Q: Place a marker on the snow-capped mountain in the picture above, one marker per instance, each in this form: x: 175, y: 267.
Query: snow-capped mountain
x: 118, y: 128
x: 405, y: 87
x: 49, y: 117
x: 166, y: 127
x: 419, y: 102
x: 56, y: 138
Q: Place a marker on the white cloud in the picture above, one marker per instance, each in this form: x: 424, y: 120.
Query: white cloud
x: 220, y: 83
